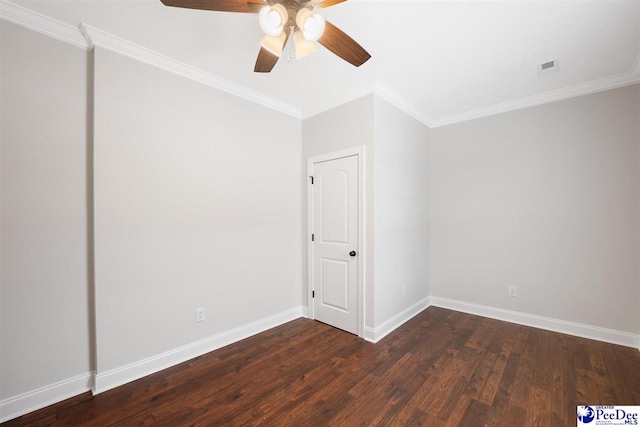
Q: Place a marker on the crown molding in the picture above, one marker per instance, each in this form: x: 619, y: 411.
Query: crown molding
x: 395, y: 99
x: 35, y: 21
x: 87, y: 37
x: 594, y: 86
x: 625, y: 79
x: 96, y: 37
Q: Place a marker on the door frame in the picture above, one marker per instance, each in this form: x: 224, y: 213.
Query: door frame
x: 359, y: 152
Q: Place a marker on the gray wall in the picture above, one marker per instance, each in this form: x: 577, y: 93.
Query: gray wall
x: 348, y: 125
x: 197, y: 204
x: 545, y: 199
x: 400, y: 210
x: 44, y: 305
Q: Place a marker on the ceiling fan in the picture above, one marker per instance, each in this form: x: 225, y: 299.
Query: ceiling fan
x: 278, y: 18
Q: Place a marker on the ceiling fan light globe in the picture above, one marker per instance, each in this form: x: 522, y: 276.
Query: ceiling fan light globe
x: 302, y: 15
x: 311, y: 24
x: 313, y: 27
x: 272, y: 19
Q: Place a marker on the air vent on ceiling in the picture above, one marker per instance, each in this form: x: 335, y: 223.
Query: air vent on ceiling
x: 548, y: 67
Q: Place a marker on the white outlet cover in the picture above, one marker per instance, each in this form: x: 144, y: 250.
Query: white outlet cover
x: 200, y: 314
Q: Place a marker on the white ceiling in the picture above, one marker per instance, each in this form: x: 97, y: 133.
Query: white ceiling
x: 443, y: 60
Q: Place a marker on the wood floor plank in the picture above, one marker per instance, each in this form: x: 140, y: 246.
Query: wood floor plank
x: 600, y: 375
x: 586, y: 386
x: 627, y: 372
x: 442, y: 368
x: 475, y: 415
x: 559, y: 409
x: 521, y: 387
x: 539, y: 408
x: 456, y: 400
x: 467, y: 362
x: 480, y: 376
x: 570, y: 398
x: 490, y: 388
x: 514, y: 416
x: 501, y: 399
x: 454, y: 418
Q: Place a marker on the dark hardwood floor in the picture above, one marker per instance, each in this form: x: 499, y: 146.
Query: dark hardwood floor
x: 440, y: 368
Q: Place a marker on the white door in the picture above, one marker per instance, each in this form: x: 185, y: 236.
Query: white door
x: 335, y: 253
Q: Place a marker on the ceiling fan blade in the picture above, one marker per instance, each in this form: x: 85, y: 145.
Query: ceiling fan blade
x: 267, y: 60
x: 255, y: 7
x: 338, y: 42
x: 322, y: 3
x: 259, y: 3
x: 218, y: 5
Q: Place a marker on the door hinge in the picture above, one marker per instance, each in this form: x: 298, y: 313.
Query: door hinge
x: 311, y: 180
x: 313, y: 294
x: 313, y: 237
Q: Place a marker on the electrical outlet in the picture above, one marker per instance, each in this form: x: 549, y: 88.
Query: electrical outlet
x: 200, y: 314
x: 513, y: 291
x: 404, y: 290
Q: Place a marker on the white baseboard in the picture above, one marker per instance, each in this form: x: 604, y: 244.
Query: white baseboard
x: 44, y: 396
x: 376, y: 334
x: 125, y: 374
x: 369, y: 334
x: 37, y: 399
x: 556, y: 325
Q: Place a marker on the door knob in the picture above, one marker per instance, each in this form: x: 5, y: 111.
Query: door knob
x: 352, y: 253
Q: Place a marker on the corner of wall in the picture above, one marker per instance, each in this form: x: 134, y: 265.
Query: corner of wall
x: 400, y: 211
